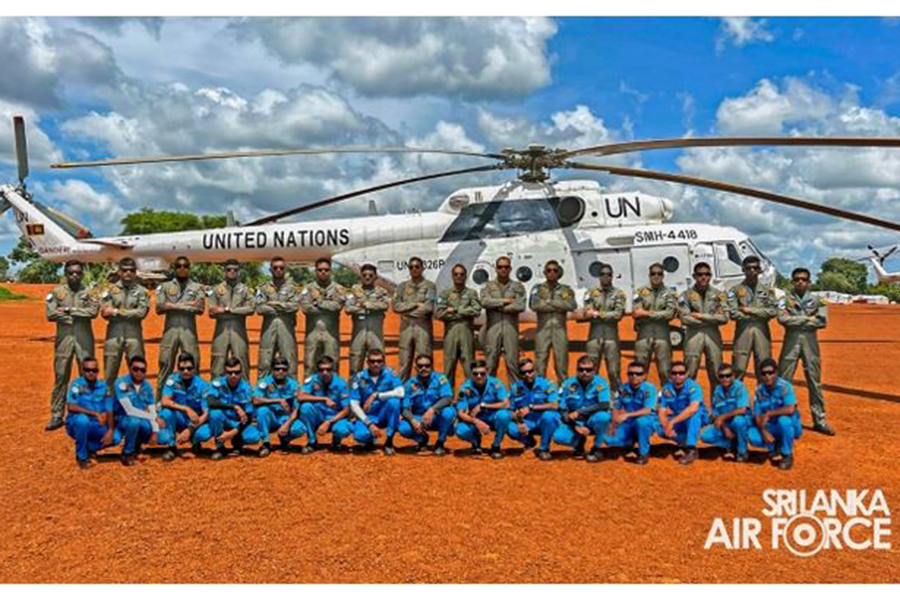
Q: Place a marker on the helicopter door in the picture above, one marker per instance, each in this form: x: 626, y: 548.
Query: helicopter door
x: 675, y: 260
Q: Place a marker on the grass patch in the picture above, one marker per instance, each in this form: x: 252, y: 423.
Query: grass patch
x: 5, y: 294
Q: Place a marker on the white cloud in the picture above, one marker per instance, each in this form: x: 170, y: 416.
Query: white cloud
x: 742, y: 31
x: 575, y: 128
x: 474, y: 58
x: 41, y: 150
x: 48, y: 59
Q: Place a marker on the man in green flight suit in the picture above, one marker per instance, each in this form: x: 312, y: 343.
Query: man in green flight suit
x: 366, y: 304
x: 654, y: 307
x: 604, y: 305
x: 124, y: 305
x: 751, y: 304
x: 72, y: 307
x: 414, y: 302
x: 277, y: 302
x: 552, y: 302
x: 503, y: 300
x: 230, y: 303
x: 321, y: 301
x: 703, y: 309
x: 802, y: 315
x: 457, y: 307
x: 180, y: 300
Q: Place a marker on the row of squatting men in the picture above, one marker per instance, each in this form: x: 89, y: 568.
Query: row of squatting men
x: 377, y: 404
x: 702, y: 309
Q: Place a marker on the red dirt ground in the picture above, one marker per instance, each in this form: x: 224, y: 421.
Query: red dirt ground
x: 416, y: 518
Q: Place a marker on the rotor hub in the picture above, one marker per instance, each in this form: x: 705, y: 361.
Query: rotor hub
x: 534, y: 162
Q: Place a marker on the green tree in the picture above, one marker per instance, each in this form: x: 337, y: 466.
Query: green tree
x: 35, y: 269
x: 891, y: 290
x: 4, y: 268
x: 148, y: 220
x: 843, y: 275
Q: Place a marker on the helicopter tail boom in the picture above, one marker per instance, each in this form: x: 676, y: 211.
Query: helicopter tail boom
x: 51, y: 234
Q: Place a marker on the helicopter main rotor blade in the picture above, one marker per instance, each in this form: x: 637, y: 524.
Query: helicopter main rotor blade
x: 368, y: 190
x: 661, y: 144
x: 257, y: 153
x: 737, y: 189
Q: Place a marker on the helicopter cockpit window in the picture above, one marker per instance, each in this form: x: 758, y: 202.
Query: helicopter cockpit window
x: 503, y: 219
x: 728, y: 260
x: 733, y: 254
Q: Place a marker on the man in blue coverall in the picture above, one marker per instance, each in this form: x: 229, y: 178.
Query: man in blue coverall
x: 375, y: 397
x: 324, y: 405
x: 275, y: 401
x: 730, y: 407
x: 482, y: 406
x: 90, y: 421
x: 184, y: 408
x: 584, y: 409
x: 534, y: 401
x: 775, y: 414
x: 231, y: 410
x: 633, y: 417
x: 427, y: 406
x: 136, y: 414
x: 681, y: 411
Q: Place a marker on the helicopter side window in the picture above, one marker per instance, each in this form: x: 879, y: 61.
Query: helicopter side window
x: 502, y: 219
x: 728, y: 259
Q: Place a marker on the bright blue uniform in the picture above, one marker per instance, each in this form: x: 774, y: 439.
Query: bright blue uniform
x: 85, y: 429
x: 270, y: 417
x: 687, y: 432
x: 725, y: 401
x: 543, y: 421
x: 785, y: 428
x: 223, y: 417
x: 592, y: 403
x: 498, y: 419
x: 313, y: 414
x: 383, y: 412
x: 418, y: 397
x: 139, y: 427
x: 193, y: 395
x: 636, y: 429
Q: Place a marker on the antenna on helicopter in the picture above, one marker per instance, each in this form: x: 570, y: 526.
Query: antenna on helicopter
x: 21, y: 150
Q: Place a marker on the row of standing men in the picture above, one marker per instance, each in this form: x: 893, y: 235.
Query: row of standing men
x: 702, y: 309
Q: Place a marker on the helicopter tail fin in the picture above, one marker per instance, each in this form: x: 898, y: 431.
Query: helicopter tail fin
x: 52, y: 234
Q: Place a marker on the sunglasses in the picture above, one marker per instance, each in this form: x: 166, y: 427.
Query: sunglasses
x: 376, y: 361
x: 186, y: 368
x: 479, y: 373
x: 552, y: 270
x: 282, y: 368
x: 656, y: 273
x: 232, y: 373
x: 127, y: 270
x: 678, y: 373
x: 277, y: 268
x: 94, y: 370
x: 526, y: 371
x: 702, y: 274
x: 428, y: 366
x: 797, y: 279
x: 139, y: 369
x: 231, y: 269
x: 182, y: 265
x: 585, y: 369
x: 324, y: 369
x: 326, y: 270
x: 504, y: 267
x: 635, y: 373
x: 767, y: 372
x: 726, y: 375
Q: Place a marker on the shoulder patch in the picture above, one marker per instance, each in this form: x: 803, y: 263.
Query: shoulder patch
x: 123, y: 386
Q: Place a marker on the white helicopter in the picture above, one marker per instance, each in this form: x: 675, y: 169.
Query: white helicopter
x: 531, y: 219
x: 877, y: 259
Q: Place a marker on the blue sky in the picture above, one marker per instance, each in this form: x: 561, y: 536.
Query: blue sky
x: 94, y: 88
